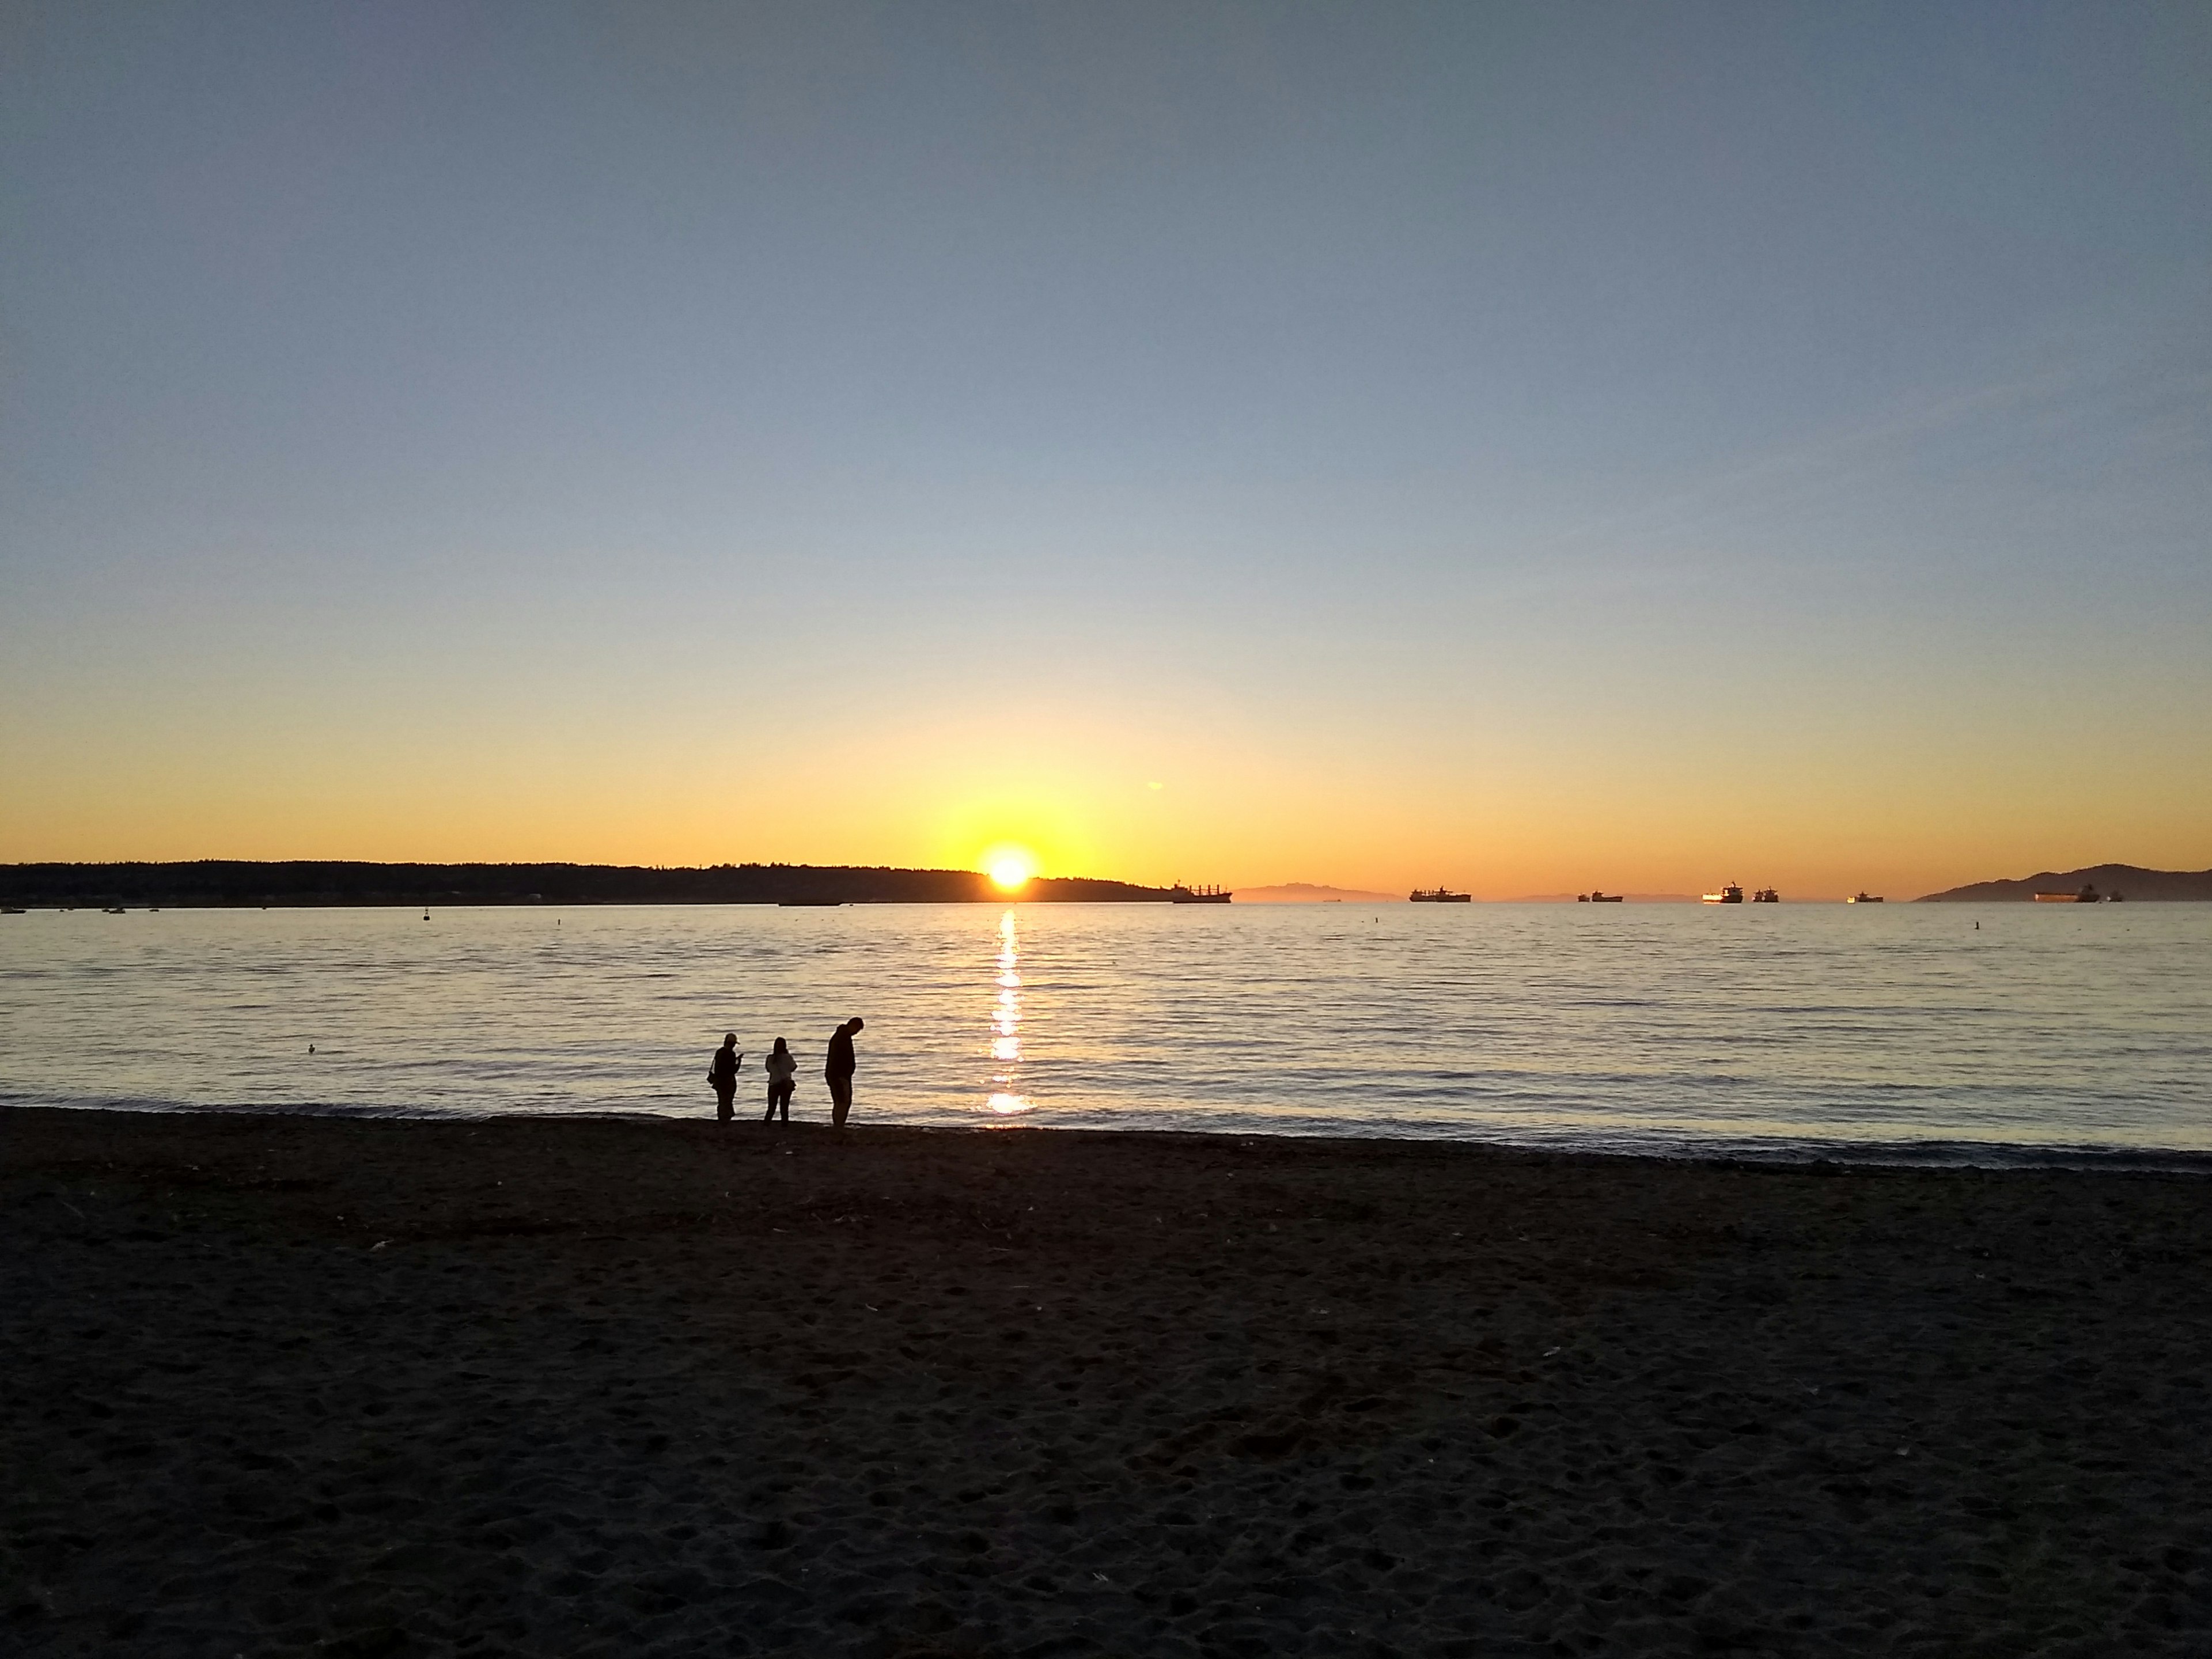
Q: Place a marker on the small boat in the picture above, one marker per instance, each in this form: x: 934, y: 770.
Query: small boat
x: 1437, y: 895
x: 1185, y: 893
x: 1593, y: 897
x: 1766, y: 895
x: 112, y: 910
x: 1730, y: 893
x: 1863, y: 898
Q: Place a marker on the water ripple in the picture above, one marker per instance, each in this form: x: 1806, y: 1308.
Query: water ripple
x: 1810, y: 1030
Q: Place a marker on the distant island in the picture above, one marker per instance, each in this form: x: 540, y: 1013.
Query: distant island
x: 1307, y: 892
x: 2127, y: 881
x: 1628, y: 898
x: 239, y: 883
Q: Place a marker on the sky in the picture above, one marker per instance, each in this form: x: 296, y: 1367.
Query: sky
x: 1516, y: 448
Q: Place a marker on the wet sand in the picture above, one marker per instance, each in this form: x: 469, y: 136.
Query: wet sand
x: 282, y: 1385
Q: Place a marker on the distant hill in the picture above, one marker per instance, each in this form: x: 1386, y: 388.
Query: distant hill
x: 2127, y: 880
x: 242, y: 883
x: 1306, y: 892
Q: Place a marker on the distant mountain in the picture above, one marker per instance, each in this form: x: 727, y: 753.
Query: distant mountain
x: 2125, y: 880
x: 244, y: 884
x: 1305, y: 892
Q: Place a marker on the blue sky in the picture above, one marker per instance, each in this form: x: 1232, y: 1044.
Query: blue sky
x: 1483, y: 444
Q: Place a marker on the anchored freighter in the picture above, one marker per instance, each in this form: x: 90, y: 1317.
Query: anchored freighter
x: 1184, y: 893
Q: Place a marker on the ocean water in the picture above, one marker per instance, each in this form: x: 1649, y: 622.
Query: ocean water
x: 2046, y: 1033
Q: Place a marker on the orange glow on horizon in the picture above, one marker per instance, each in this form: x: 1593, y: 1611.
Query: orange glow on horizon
x: 1497, y: 810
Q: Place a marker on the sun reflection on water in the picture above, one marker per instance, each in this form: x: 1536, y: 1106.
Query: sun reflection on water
x: 1005, y: 1099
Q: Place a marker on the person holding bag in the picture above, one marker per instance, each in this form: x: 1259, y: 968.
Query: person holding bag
x: 782, y: 1078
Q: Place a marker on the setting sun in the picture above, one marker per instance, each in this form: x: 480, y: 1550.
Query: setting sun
x: 1010, y: 866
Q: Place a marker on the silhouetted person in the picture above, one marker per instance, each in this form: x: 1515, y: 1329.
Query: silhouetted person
x: 782, y: 1078
x: 723, y: 1074
x: 839, y: 1070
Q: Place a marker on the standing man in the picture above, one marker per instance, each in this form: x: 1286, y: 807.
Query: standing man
x: 723, y: 1074
x: 839, y: 1070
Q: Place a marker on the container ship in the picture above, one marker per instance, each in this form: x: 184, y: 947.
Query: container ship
x: 1438, y: 895
x: 1593, y: 897
x: 1863, y: 898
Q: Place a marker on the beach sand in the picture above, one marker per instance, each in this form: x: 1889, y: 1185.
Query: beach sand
x: 286, y: 1385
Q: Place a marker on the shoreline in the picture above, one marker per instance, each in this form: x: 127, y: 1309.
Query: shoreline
x: 615, y: 1385
x: 1991, y: 1156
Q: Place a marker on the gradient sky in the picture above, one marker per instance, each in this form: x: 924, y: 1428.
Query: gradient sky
x: 1520, y: 447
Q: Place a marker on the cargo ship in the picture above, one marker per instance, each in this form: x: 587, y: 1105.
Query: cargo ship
x: 1730, y: 893
x: 1863, y: 898
x: 1766, y: 895
x: 1593, y: 897
x: 1185, y: 893
x: 2088, y: 895
x: 1437, y: 895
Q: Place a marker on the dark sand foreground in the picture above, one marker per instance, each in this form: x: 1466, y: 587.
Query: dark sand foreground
x: 289, y: 1385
